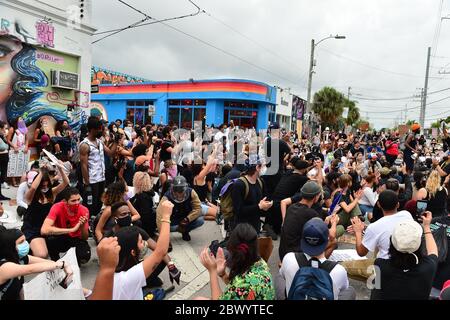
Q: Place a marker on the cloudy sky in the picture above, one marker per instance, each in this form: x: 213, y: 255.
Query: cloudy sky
x: 383, y: 58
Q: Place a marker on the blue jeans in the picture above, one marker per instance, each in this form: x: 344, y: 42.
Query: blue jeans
x: 191, y: 226
x: 365, y: 209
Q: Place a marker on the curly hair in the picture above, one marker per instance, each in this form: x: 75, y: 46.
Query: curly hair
x: 142, y: 182
x: 114, y: 193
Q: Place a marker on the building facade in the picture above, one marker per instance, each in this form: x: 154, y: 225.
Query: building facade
x: 46, y: 50
x: 249, y: 104
x: 284, y: 108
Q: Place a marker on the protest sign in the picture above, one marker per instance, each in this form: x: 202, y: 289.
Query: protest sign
x: 345, y: 255
x: 51, y: 157
x: 46, y: 286
x: 18, y: 163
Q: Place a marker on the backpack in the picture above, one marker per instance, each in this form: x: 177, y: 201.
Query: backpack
x: 312, y: 283
x: 226, y: 201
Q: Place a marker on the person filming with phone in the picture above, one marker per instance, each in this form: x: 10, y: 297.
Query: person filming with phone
x: 435, y: 194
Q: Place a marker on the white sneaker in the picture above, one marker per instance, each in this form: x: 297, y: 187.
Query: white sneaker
x: 5, y: 185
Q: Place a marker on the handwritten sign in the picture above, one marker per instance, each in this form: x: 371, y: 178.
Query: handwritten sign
x: 46, y: 286
x: 18, y: 163
x: 51, y: 157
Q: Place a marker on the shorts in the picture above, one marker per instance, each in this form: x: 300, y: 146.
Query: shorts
x: 205, y: 209
x: 31, y: 234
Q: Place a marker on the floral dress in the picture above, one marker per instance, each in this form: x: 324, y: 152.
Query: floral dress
x: 255, y: 284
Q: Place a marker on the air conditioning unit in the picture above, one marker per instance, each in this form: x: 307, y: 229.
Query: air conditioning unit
x: 65, y: 80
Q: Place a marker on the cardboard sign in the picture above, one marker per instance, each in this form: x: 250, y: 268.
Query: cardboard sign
x: 18, y: 163
x: 51, y: 157
x: 364, y: 126
x: 434, y: 132
x: 46, y: 286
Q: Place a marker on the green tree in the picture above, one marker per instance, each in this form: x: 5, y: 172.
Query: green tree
x: 329, y: 105
x: 353, y: 112
x: 410, y: 122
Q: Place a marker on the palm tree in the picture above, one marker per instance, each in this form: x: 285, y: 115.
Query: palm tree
x: 329, y: 105
x: 353, y: 113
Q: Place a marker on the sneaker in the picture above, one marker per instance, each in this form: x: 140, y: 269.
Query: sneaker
x: 5, y: 185
x: 270, y: 232
x: 186, y: 236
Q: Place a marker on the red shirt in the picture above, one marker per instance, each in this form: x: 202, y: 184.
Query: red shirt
x: 60, y: 214
x: 393, y: 149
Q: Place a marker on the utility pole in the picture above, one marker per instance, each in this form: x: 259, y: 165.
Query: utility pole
x: 425, y: 92
x: 406, y: 113
x: 348, y: 94
x: 421, y: 107
x: 311, y: 71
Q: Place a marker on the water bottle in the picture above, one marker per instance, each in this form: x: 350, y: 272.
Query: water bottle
x: 89, y: 195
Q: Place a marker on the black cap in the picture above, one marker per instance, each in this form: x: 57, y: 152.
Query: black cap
x: 179, y: 184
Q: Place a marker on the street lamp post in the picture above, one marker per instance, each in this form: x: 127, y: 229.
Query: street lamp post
x: 311, y: 71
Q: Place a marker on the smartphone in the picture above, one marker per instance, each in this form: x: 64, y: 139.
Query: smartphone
x: 421, y: 206
x: 65, y: 283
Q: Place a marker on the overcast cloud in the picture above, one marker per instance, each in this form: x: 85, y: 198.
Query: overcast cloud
x: 389, y: 34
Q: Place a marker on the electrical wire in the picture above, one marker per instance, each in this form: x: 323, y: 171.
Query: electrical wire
x: 362, y: 97
x: 287, y: 61
x: 210, y: 45
x: 142, y: 23
x: 371, y: 67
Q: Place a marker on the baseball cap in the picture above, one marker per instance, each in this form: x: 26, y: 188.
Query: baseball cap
x: 140, y: 160
x: 179, y: 184
x: 315, y: 237
x: 95, y: 113
x: 44, y: 140
x: 31, y: 175
x: 445, y: 292
x: 407, y: 236
x: 311, y: 189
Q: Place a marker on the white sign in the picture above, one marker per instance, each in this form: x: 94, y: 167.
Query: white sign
x: 345, y: 113
x: 151, y: 110
x: 18, y: 163
x: 46, y: 286
x: 51, y: 157
x: 345, y: 255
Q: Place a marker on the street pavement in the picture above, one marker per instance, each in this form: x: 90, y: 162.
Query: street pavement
x: 195, y: 278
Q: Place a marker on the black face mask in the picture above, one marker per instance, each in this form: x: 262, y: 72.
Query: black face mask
x: 99, y: 134
x: 124, y: 222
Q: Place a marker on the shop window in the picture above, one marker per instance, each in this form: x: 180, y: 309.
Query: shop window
x: 138, y: 116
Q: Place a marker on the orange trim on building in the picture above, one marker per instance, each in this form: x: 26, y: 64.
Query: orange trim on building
x: 186, y: 87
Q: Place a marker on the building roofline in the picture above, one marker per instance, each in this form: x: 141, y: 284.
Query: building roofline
x: 187, y: 81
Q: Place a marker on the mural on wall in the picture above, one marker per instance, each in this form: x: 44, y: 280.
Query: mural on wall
x: 103, y: 76
x: 25, y: 73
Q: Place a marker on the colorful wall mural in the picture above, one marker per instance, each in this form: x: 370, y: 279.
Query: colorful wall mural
x: 25, y: 81
x: 103, y: 76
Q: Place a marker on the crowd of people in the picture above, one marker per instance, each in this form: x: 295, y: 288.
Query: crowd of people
x: 129, y: 187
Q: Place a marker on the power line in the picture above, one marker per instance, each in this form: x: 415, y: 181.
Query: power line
x: 369, y: 66
x: 257, y: 43
x: 438, y: 100
x: 437, y: 31
x: 362, y: 97
x: 142, y: 23
x: 211, y: 45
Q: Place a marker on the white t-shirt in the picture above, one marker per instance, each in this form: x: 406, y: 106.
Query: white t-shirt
x: 378, y: 234
x: 21, y: 192
x: 289, y: 268
x: 369, y: 197
x: 128, y: 284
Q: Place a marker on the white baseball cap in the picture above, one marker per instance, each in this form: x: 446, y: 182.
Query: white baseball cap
x: 407, y: 236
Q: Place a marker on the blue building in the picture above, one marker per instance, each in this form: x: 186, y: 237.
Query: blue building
x: 248, y: 103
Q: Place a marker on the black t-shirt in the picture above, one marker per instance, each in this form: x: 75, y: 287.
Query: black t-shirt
x: 447, y: 143
x: 288, y: 186
x: 415, y: 284
x: 291, y: 233
x: 443, y: 271
x: 165, y: 155
x: 283, y: 149
x: 14, y: 287
x: 354, y: 150
x: 246, y: 210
